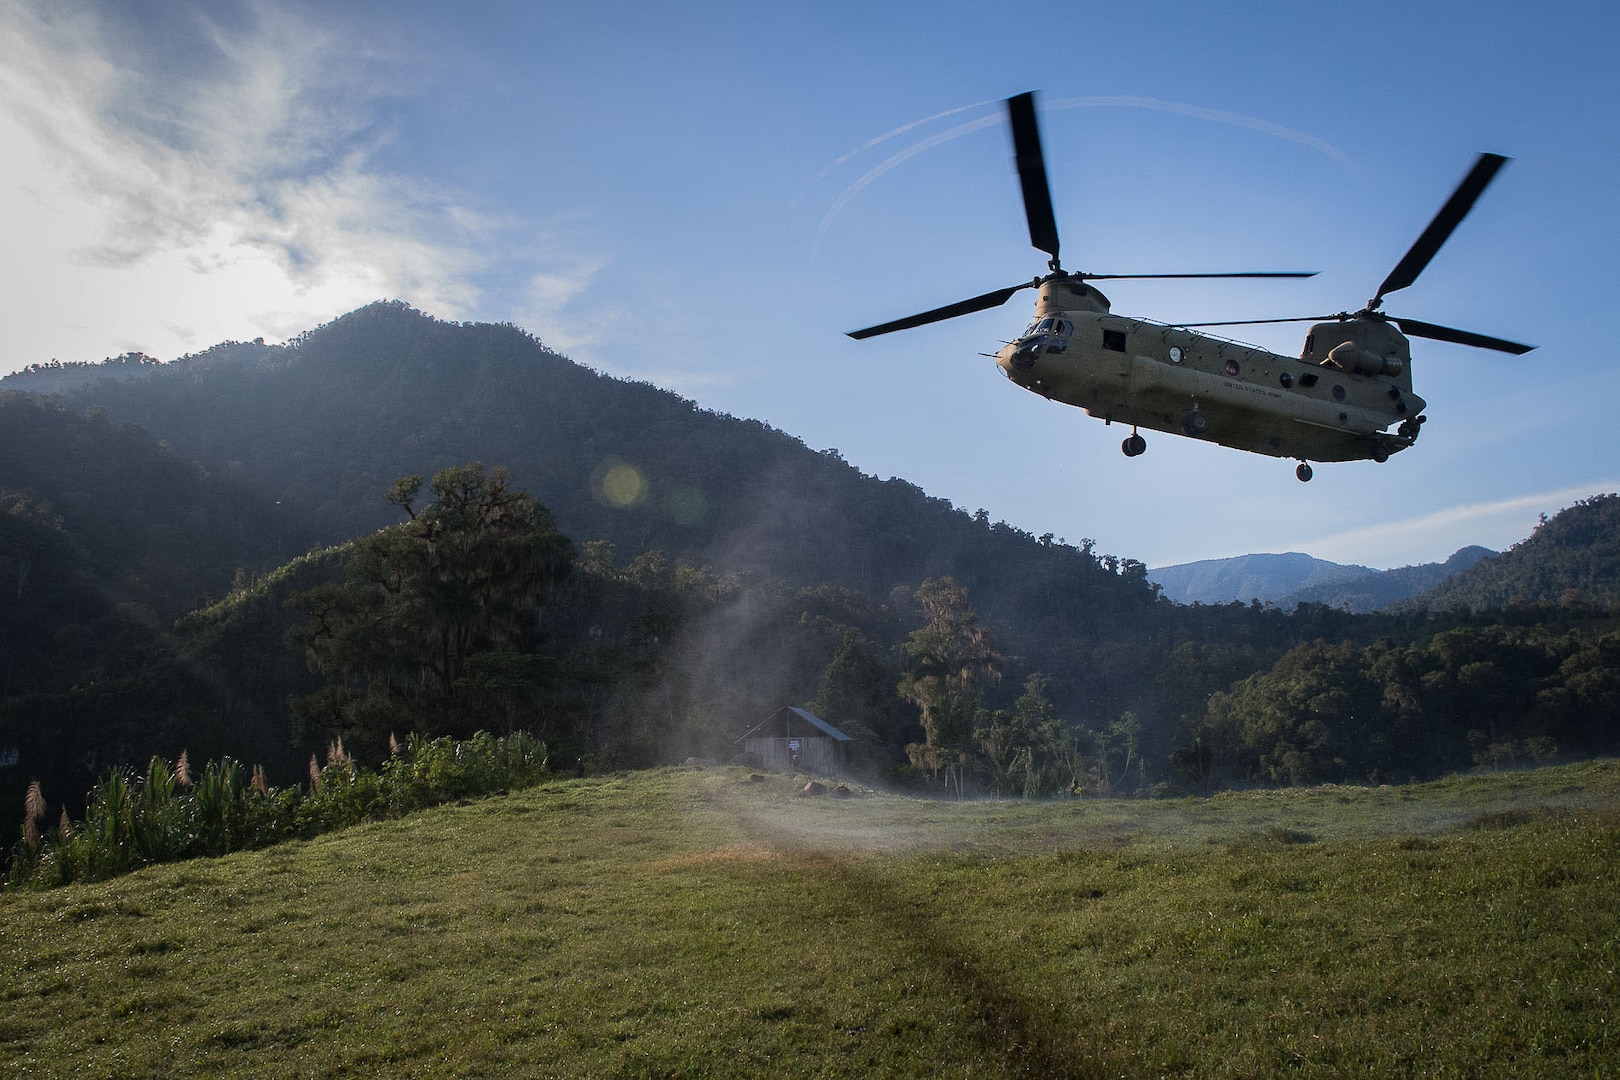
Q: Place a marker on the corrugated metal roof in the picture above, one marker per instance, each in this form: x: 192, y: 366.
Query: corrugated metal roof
x: 808, y: 717
x: 815, y: 721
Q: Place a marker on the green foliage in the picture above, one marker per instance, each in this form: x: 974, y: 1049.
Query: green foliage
x: 1489, y: 697
x: 952, y: 656
x: 164, y: 816
x: 463, y: 576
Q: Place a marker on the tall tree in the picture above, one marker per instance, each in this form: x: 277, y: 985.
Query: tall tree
x: 952, y: 657
x: 463, y: 575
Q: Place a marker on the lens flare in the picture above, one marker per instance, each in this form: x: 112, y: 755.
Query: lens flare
x: 624, y: 486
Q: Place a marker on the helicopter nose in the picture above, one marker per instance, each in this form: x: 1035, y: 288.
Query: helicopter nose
x: 1026, y: 352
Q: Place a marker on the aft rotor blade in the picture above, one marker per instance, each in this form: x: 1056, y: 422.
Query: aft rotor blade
x: 950, y: 311
x: 1031, y: 161
x: 1450, y: 216
x: 1413, y: 328
x: 1261, y: 322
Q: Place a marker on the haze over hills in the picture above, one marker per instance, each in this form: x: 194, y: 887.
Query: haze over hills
x: 1267, y: 578
x: 1293, y: 578
x: 326, y: 423
x: 722, y: 569
x: 1379, y: 589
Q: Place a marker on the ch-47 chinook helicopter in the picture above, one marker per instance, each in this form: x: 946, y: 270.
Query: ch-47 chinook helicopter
x: 1335, y: 402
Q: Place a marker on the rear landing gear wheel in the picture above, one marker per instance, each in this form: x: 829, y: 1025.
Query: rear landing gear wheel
x: 1195, y: 424
x: 1303, y: 471
x: 1134, y: 445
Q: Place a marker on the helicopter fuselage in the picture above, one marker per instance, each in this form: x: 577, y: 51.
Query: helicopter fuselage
x: 1333, y: 403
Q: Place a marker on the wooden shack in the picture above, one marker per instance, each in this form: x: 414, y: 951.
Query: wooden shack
x: 796, y: 740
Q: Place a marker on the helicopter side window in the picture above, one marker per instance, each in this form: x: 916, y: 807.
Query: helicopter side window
x: 1114, y: 340
x: 1059, y: 342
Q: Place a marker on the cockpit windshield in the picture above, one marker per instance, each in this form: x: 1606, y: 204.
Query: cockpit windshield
x: 1049, y: 324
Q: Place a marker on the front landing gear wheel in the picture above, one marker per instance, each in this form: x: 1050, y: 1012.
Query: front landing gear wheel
x: 1303, y: 471
x: 1134, y: 445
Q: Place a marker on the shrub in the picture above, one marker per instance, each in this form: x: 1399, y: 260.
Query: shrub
x: 163, y: 817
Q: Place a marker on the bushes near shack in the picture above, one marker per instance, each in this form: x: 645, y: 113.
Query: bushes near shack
x: 167, y: 814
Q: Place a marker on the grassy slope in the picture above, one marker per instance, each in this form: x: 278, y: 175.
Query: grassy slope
x: 693, y: 923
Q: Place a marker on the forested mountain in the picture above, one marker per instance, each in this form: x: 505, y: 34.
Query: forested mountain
x: 106, y: 537
x: 327, y: 422
x: 1572, y: 558
x: 56, y: 376
x: 161, y: 531
x: 708, y: 570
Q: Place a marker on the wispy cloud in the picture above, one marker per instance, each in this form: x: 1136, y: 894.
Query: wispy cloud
x: 235, y: 177
x: 1498, y: 524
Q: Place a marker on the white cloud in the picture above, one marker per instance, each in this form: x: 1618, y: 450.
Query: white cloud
x: 166, y: 204
x: 1498, y: 524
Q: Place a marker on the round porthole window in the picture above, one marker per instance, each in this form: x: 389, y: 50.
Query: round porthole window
x: 1286, y: 379
x: 1175, y: 354
x: 1232, y: 367
x: 1338, y: 393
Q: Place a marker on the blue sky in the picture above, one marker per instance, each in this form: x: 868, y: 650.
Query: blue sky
x: 707, y: 195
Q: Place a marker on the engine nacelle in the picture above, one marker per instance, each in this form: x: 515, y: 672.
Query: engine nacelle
x: 1351, y: 356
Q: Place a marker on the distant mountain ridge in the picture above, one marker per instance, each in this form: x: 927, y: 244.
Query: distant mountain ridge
x: 1380, y: 589
x: 1290, y: 579
x: 1264, y: 577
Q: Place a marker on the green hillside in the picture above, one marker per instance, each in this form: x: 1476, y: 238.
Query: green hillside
x: 721, y: 570
x: 326, y: 423
x: 698, y: 923
x: 1572, y: 558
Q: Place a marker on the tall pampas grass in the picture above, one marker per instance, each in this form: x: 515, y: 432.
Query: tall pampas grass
x: 33, y: 814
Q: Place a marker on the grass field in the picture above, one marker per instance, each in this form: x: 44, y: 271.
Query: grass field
x: 698, y: 923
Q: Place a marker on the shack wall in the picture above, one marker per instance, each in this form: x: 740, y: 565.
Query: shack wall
x: 816, y: 755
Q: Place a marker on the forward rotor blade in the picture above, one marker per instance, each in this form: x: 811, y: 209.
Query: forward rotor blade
x: 1243, y: 273
x: 950, y: 311
x: 1414, y: 328
x: 1031, y: 161
x: 1450, y: 216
